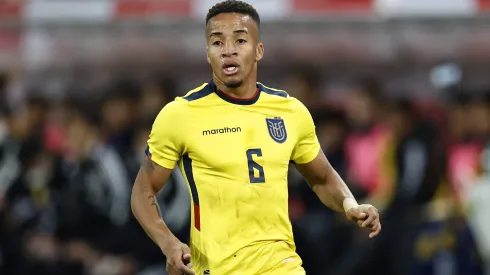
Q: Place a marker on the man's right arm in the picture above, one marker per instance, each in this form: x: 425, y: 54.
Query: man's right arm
x: 149, y: 181
x: 165, y: 147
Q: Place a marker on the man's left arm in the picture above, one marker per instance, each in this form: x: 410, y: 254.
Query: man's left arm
x: 312, y: 163
x: 334, y: 193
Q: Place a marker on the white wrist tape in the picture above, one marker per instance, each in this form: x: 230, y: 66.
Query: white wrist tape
x: 349, y: 203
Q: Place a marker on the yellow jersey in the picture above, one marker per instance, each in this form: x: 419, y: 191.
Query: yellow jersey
x: 235, y: 154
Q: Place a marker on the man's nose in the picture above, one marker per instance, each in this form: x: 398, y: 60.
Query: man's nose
x: 229, y: 49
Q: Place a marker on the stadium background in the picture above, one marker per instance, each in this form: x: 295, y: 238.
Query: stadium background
x: 399, y: 90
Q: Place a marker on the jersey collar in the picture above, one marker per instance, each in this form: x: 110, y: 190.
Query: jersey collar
x: 234, y: 100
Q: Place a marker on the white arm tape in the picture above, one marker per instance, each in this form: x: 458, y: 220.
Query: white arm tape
x: 349, y: 203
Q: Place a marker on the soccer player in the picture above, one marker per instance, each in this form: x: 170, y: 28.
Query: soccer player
x: 233, y: 139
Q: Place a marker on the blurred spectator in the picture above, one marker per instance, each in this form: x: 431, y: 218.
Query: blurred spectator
x: 470, y: 132
x: 367, y: 142
x: 476, y: 190
x: 140, y: 139
x: 417, y: 155
x: 23, y: 179
x: 89, y: 186
x: 479, y: 117
x: 332, y: 131
x: 320, y: 232
x: 118, y: 116
x: 57, y: 119
x: 417, y: 169
x: 305, y: 84
x: 457, y: 116
x: 154, y: 95
x: 3, y: 98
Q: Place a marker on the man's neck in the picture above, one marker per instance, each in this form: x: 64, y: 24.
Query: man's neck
x: 246, y: 90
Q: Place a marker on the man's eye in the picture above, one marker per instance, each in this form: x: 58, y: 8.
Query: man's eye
x: 217, y: 43
x: 241, y: 41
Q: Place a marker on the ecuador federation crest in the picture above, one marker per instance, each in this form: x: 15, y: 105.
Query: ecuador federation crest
x: 277, y: 129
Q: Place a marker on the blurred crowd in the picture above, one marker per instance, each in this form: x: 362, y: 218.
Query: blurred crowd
x: 67, y: 164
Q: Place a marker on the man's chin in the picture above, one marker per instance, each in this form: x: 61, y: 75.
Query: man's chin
x: 233, y: 84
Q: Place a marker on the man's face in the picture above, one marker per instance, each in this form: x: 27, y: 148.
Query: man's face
x: 360, y: 109
x: 233, y: 48
x: 77, y: 136
x: 117, y: 114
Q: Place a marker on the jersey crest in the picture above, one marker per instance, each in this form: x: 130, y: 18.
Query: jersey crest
x: 277, y: 129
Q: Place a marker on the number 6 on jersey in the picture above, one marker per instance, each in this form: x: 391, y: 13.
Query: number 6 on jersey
x: 254, y: 165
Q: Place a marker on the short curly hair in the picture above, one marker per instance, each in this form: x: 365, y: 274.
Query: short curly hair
x: 233, y: 6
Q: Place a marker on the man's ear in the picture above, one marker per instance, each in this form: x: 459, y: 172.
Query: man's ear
x: 259, y: 52
x: 207, y: 55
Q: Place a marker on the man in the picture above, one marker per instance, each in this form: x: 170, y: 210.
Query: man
x: 234, y: 138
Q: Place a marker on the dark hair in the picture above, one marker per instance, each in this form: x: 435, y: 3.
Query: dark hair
x: 37, y: 101
x: 327, y: 116
x: 457, y: 96
x: 122, y: 89
x: 487, y: 96
x: 403, y: 105
x: 370, y: 86
x: 83, y: 110
x: 309, y: 74
x: 480, y: 95
x: 233, y: 6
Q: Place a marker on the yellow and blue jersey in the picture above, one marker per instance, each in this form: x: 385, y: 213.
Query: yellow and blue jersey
x: 235, y: 154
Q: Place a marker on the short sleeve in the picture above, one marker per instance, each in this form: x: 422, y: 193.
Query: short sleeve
x: 307, y: 146
x: 165, y: 145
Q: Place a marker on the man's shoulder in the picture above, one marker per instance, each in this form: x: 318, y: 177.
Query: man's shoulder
x: 198, y: 93
x: 181, y: 102
x: 174, y: 107
x: 177, y: 109
x: 292, y: 102
x: 274, y: 92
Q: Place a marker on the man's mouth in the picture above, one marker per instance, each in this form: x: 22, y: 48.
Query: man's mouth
x: 230, y: 68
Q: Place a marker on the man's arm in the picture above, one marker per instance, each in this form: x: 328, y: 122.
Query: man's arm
x: 334, y: 193
x: 326, y: 182
x: 150, y: 179
x: 323, y: 179
x: 165, y: 148
x: 148, y: 183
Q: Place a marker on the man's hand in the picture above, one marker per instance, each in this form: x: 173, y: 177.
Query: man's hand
x: 365, y: 215
x: 178, y: 254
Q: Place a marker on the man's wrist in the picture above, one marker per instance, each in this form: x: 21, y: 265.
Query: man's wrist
x: 349, y: 203
x: 166, y: 240
x: 167, y: 245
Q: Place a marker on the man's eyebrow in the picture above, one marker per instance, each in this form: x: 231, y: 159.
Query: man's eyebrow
x: 217, y: 33
x: 241, y: 31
